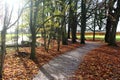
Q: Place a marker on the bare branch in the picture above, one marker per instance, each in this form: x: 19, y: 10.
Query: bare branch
x: 10, y: 17
x: 18, y: 16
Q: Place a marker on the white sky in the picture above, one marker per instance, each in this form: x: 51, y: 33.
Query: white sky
x: 118, y: 27
x: 11, y: 3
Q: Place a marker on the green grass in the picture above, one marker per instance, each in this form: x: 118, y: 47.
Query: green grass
x: 88, y: 37
x: 10, y: 36
x: 98, y: 37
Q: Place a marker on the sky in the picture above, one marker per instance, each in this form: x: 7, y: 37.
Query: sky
x: 11, y: 3
x: 118, y: 27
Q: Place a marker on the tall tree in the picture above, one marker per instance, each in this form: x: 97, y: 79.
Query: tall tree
x: 70, y: 18
x: 83, y: 20
x: 112, y: 21
x: 74, y: 22
x: 7, y: 23
x: 63, y: 22
x: 33, y: 23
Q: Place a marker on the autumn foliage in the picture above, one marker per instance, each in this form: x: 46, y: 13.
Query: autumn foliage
x: 101, y: 64
x: 20, y: 67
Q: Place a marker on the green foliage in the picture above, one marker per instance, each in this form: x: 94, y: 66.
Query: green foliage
x: 58, y: 12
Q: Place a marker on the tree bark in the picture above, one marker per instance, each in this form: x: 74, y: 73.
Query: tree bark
x: 74, y: 24
x: 112, y: 21
x: 83, y: 21
x: 74, y: 29
x: 63, y: 28
x: 70, y: 18
x: 3, y: 48
x: 33, y: 35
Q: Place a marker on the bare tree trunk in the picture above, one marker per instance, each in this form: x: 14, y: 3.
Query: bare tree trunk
x: 74, y: 29
x: 112, y: 21
x: 83, y: 21
x: 95, y: 14
x: 44, y: 30
x: 3, y: 39
x: 63, y: 27
x: 33, y: 20
x: 32, y: 27
x: 69, y: 32
x: 70, y: 19
x: 108, y: 27
x: 58, y: 39
x: 112, y: 37
x: 64, y: 35
x: 3, y: 48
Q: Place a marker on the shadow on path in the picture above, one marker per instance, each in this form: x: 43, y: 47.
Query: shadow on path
x: 64, y: 66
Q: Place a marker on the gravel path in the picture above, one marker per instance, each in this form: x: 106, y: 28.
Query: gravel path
x: 63, y: 66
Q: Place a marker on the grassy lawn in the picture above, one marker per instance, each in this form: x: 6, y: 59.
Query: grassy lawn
x: 98, y: 37
x: 88, y: 37
x: 10, y: 36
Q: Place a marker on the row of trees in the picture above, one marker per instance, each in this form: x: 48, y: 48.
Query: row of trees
x: 59, y: 19
x: 52, y: 18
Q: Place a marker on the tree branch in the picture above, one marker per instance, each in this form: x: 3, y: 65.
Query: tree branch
x: 9, y: 26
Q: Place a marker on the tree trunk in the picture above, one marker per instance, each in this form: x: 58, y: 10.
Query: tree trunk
x: 83, y: 21
x: 112, y: 22
x: 58, y: 38
x: 33, y: 45
x: 32, y: 27
x: 112, y: 39
x: 63, y: 28
x: 108, y: 27
x: 74, y: 24
x: 3, y: 49
x: 3, y: 39
x: 74, y: 29
x: 70, y: 18
x: 68, y: 30
x: 95, y: 14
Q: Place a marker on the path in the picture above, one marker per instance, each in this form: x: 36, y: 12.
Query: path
x: 63, y: 66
